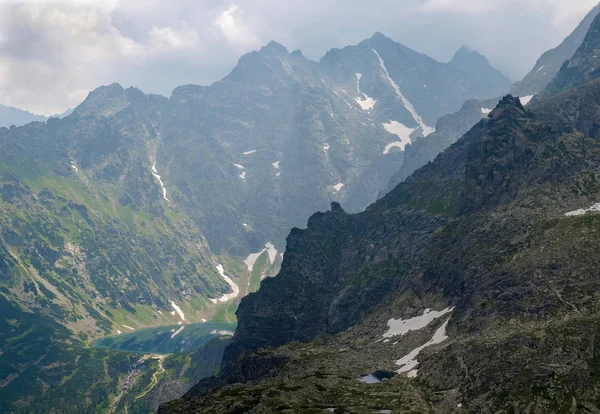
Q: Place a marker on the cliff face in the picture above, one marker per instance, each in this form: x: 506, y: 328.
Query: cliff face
x: 489, y: 231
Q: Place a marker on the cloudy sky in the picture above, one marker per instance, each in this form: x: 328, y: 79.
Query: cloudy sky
x: 52, y: 52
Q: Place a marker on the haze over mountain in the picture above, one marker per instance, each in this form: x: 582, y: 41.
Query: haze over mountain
x: 138, y: 210
x: 54, y: 52
x: 550, y: 62
x: 454, y: 125
x: 476, y: 276
x: 13, y: 116
x: 131, y: 228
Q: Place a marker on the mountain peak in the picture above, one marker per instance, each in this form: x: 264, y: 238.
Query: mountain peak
x: 582, y: 67
x: 274, y: 49
x: 507, y: 104
x: 103, y: 99
x: 379, y: 36
x: 297, y: 53
x: 548, y: 65
x: 112, y: 90
x: 467, y: 55
x: 473, y: 63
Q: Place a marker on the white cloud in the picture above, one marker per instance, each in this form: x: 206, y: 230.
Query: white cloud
x: 184, y: 38
x: 53, y: 51
x: 460, y: 6
x: 233, y: 27
x: 48, y: 52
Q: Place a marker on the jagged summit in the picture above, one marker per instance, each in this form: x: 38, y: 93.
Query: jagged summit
x: 508, y: 103
x: 114, y: 88
x: 467, y: 52
x: 474, y: 63
x: 274, y: 49
x: 103, y: 99
x: 380, y: 36
x: 297, y: 53
x: 548, y: 65
x: 379, y: 40
x: 583, y: 67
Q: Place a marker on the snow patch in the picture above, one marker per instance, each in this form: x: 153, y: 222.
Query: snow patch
x: 253, y: 257
x: 370, y: 379
x: 402, y: 327
x: 582, y: 211
x: 326, y: 147
x: 276, y: 165
x: 221, y: 332
x: 525, y: 99
x: 74, y: 166
x: 249, y: 152
x: 155, y: 174
x: 229, y: 296
x: 178, y: 310
x: 409, y: 362
x: 272, y: 251
x: 407, y: 104
x: 366, y: 102
x: 243, y: 175
x: 240, y: 167
x: 338, y: 187
x: 177, y: 332
x: 401, y: 131
x: 486, y: 111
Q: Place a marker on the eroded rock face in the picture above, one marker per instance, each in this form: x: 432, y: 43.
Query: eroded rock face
x: 482, y: 228
x: 126, y: 210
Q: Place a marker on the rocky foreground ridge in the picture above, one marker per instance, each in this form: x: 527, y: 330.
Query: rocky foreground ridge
x: 488, y: 253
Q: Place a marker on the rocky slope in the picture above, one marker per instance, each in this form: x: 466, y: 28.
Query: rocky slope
x: 581, y: 68
x: 453, y: 126
x: 139, y: 210
x: 475, y: 275
x: 550, y: 62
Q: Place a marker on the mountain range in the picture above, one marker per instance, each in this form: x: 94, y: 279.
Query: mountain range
x: 10, y: 116
x: 138, y: 210
x: 470, y: 287
x: 13, y: 116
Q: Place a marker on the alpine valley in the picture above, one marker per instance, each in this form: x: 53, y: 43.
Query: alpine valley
x: 459, y: 275
x: 132, y: 227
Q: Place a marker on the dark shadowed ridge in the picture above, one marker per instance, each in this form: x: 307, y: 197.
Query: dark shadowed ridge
x: 550, y: 62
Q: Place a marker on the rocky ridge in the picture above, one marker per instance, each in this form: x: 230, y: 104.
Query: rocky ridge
x: 493, y: 231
